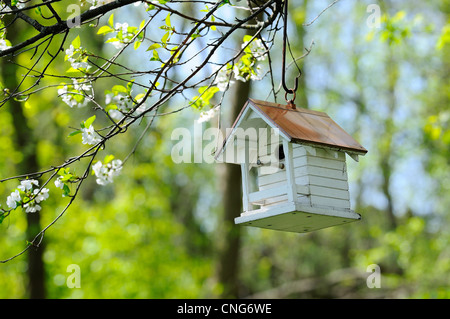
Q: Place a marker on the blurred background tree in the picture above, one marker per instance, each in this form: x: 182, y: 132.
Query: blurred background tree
x: 162, y: 230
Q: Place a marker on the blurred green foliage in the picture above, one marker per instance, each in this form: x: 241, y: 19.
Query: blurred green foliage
x: 154, y: 232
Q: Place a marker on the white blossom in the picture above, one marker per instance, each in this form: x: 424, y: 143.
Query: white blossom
x: 117, y: 44
x: 75, y: 58
x: 12, y: 199
x: 124, y: 105
x: 223, y: 79
x: 27, y: 184
x: 258, y: 76
x: 59, y: 183
x: 124, y: 36
x: 257, y: 49
x: 239, y: 75
x: 90, y: 136
x: 40, y: 195
x: 141, y: 109
x: 76, y: 95
x: 106, y: 172
x: 137, y: 4
x: 20, y: 5
x: 122, y: 27
x: 207, y: 115
x: 31, y: 207
x: 98, y: 3
x: 70, y: 51
x: 3, y: 45
x: 116, y: 166
x: 31, y: 197
x: 80, y: 65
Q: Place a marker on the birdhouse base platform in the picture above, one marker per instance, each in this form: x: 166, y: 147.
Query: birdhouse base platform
x: 296, y: 217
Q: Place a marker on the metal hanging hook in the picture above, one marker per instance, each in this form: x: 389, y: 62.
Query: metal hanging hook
x: 283, y: 71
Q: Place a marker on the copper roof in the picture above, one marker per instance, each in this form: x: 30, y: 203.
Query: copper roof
x: 307, y: 126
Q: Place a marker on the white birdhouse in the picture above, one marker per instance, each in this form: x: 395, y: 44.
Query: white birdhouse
x: 298, y: 157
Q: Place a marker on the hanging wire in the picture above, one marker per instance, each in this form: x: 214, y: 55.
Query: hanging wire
x: 283, y: 70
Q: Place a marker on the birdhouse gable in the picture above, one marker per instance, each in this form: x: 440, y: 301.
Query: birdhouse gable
x: 258, y: 131
x: 300, y: 126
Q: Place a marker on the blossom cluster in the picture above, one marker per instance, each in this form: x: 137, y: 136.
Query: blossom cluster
x: 28, y: 195
x: 106, y: 172
x: 119, y: 104
x: 18, y: 4
x: 224, y: 77
x: 247, y: 68
x: 77, y: 58
x: 76, y: 94
x: 205, y: 116
x: 123, y: 36
x: 90, y: 136
x: 256, y: 49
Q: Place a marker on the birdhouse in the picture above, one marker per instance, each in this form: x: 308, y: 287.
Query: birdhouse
x: 298, y: 157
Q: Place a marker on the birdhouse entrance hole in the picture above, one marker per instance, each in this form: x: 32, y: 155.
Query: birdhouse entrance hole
x: 280, y: 153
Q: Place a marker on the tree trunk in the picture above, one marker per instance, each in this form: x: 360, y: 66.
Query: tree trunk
x: 24, y: 142
x: 228, y: 267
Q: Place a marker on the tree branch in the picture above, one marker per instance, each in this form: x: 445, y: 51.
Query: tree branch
x: 63, y: 26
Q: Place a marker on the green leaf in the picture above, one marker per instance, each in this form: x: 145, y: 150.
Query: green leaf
x: 154, y: 46
x: 444, y: 38
x: 139, y: 96
x: 66, y: 190
x: 213, y: 27
x: 141, y: 26
x: 105, y: 29
x: 206, y: 94
x: 119, y: 89
x: 137, y: 44
x: 111, y: 107
x: 195, y: 35
x: 89, y: 121
x: 66, y: 177
x: 247, y: 38
x: 165, y: 38
x: 111, y: 20
x: 74, y: 133
x: 76, y: 42
x: 108, y: 159
x: 155, y: 56
x: 63, y: 171
x: 168, y: 20
x: 129, y: 86
x: 112, y: 40
x: 225, y: 2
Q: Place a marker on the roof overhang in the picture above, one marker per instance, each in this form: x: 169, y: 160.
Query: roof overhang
x: 301, y: 126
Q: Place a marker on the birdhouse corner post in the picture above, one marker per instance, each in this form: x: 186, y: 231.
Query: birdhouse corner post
x: 289, y: 165
x: 245, y: 168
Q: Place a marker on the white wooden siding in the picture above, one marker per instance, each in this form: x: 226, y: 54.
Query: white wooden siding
x: 322, y: 171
